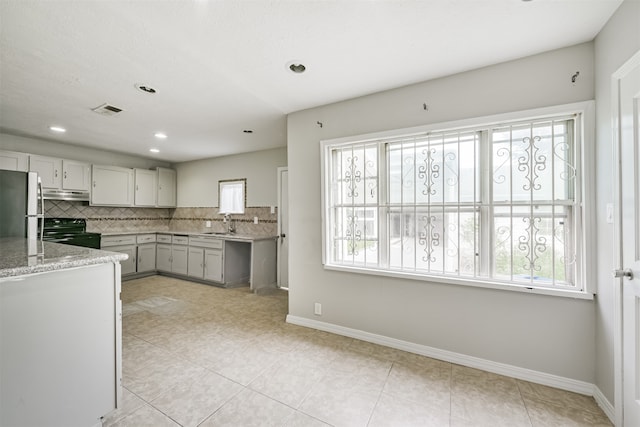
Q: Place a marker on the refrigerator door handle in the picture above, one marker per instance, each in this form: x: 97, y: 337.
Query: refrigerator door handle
x: 41, y: 214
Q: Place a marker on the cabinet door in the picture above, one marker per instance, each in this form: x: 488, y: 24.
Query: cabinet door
x: 75, y: 175
x: 145, y: 192
x: 127, y: 266
x: 163, y: 257
x: 196, y: 263
x: 179, y: 257
x: 166, y: 188
x: 146, y: 257
x: 112, y: 186
x: 49, y: 170
x: 14, y: 161
x: 213, y: 265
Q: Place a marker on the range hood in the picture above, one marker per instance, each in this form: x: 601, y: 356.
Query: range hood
x: 52, y: 194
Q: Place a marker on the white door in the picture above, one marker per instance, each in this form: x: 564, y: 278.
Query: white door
x: 283, y: 228
x: 628, y: 131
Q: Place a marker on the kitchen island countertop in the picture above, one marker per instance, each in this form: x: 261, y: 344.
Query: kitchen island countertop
x: 15, y: 259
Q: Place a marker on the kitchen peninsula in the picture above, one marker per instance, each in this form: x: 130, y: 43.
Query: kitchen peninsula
x: 60, y: 334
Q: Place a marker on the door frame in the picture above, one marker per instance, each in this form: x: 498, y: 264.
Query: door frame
x: 279, y: 266
x: 618, y: 355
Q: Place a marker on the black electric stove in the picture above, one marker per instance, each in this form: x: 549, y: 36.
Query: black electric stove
x: 70, y: 231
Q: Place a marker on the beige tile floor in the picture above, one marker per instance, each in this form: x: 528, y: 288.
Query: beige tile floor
x: 196, y: 355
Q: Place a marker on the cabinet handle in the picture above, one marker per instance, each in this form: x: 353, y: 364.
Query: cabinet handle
x: 65, y: 174
x: 137, y: 188
x: 55, y: 173
x: 94, y: 184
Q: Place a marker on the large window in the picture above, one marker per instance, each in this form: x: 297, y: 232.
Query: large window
x: 498, y: 203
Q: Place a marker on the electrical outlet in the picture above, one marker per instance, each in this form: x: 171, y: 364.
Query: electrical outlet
x: 255, y: 219
x: 207, y: 224
x: 273, y: 210
x: 317, y: 309
x: 609, y: 213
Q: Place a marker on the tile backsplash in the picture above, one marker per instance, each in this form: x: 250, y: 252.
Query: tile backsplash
x: 103, y: 219
x: 194, y: 219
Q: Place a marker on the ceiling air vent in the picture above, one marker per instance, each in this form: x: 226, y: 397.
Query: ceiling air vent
x: 107, y: 110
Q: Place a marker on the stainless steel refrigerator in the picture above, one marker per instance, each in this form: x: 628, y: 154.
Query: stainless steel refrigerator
x: 21, y: 204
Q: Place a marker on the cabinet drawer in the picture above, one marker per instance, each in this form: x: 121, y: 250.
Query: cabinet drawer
x: 163, y: 238
x: 107, y: 241
x: 205, y: 242
x: 180, y: 240
x: 146, y: 238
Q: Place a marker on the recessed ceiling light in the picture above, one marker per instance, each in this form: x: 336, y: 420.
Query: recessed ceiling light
x: 57, y: 129
x: 160, y: 135
x: 297, y: 68
x: 145, y: 88
x: 247, y: 131
x: 154, y: 150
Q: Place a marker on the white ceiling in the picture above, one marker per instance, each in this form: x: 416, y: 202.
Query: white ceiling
x: 220, y: 66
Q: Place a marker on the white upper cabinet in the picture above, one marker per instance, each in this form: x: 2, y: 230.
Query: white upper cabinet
x: 76, y: 175
x: 49, y: 170
x: 166, y: 188
x: 13, y: 161
x: 61, y: 174
x: 112, y: 186
x: 146, y: 187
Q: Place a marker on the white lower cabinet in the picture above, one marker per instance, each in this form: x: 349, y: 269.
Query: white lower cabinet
x: 196, y: 263
x: 205, y: 264
x: 124, y: 245
x: 141, y: 250
x: 208, y: 254
x: 163, y: 257
x: 212, y: 259
x: 179, y: 254
x: 127, y: 266
x: 213, y: 266
x: 146, y: 258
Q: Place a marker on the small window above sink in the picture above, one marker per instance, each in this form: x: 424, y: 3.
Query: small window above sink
x: 232, y: 196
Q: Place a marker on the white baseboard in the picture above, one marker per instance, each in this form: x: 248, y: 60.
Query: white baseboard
x: 551, y: 380
x: 604, y: 404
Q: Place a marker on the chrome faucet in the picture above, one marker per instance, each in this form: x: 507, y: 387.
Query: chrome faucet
x: 231, y: 224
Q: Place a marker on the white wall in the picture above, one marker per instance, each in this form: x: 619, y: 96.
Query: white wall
x: 617, y: 42
x: 198, y: 180
x: 73, y: 152
x: 553, y: 335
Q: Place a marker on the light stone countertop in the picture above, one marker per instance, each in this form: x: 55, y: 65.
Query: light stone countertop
x: 224, y: 236
x: 15, y: 259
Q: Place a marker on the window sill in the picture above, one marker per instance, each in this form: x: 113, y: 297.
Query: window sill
x: 476, y: 283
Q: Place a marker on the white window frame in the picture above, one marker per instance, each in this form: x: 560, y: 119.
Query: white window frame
x: 584, y: 140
